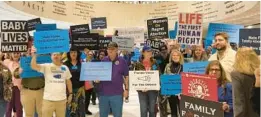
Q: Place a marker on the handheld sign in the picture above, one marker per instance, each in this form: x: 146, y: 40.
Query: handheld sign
x: 51, y: 41
x: 158, y: 28
x: 14, y: 36
x: 28, y: 72
x: 250, y: 38
x: 195, y: 67
x: 137, y: 55
x: 190, y: 29
x: 155, y: 45
x: 91, y: 71
x: 124, y: 43
x: 135, y: 32
x: 170, y: 84
x: 80, y: 29
x: 199, y: 86
x: 32, y: 23
x: 99, y: 23
x: 104, y: 41
x: 173, y: 33
x: 45, y: 27
x: 195, y: 107
x: 144, y: 80
x: 81, y: 41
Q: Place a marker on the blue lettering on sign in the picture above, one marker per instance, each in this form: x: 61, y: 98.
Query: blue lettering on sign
x: 57, y: 76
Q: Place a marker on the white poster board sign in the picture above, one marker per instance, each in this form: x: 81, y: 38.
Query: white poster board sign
x: 144, y: 80
x: 124, y: 43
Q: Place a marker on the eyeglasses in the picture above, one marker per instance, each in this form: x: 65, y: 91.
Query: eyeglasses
x: 214, y: 70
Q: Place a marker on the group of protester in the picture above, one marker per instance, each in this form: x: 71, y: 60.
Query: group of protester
x: 62, y: 92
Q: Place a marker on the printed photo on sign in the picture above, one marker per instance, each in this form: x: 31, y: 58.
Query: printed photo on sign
x: 45, y: 27
x: 82, y: 41
x: 250, y: 38
x: 44, y: 41
x: 158, y: 28
x: 144, y: 80
x: 195, y: 67
x: 190, y: 29
x: 124, y: 43
x: 99, y: 23
x: 195, y: 107
x: 170, y: 84
x: 80, y: 29
x: 199, y: 86
x: 32, y: 23
x: 14, y: 36
x: 92, y: 71
x: 25, y: 64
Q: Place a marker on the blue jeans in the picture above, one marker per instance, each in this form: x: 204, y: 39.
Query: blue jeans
x: 110, y: 102
x: 147, y: 103
x: 2, y: 107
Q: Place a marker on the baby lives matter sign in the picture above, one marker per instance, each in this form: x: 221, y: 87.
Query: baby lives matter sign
x: 190, y: 29
x: 195, y: 107
x: 158, y: 28
x: 14, y: 36
x: 199, y: 86
x: 144, y: 80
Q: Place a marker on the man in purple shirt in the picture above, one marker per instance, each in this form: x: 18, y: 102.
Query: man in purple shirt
x: 111, y: 92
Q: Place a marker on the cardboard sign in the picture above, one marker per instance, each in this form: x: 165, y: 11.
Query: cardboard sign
x: 32, y: 23
x: 124, y: 43
x: 28, y: 72
x: 195, y: 67
x: 14, y: 36
x: 144, y: 80
x: 51, y: 41
x: 250, y: 38
x: 80, y: 29
x: 195, y: 107
x: 170, y: 84
x: 158, y: 28
x: 81, y: 41
x: 99, y: 23
x: 199, y: 86
x: 135, y: 32
x: 190, y: 29
x: 91, y: 71
x: 45, y: 27
x: 104, y: 41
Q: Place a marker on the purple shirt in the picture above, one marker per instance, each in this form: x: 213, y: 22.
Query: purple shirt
x: 115, y: 86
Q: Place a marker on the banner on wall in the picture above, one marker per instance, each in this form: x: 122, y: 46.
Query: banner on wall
x: 170, y: 84
x: 144, y: 80
x: 91, y: 71
x: 104, y: 41
x: 28, y: 72
x: 195, y: 67
x: 190, y: 29
x: 231, y: 29
x: 14, y: 36
x: 135, y: 32
x: 195, y: 107
x: 250, y: 38
x: 199, y: 86
x: 158, y: 28
x: 124, y: 43
x: 32, y: 23
x: 80, y: 29
x: 81, y: 41
x: 99, y: 23
x: 44, y: 41
x: 45, y: 27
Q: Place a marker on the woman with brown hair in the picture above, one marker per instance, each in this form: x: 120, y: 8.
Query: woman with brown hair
x: 199, y: 54
x: 224, y: 86
x: 243, y: 80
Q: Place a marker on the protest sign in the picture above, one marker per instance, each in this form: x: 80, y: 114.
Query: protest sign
x: 124, y: 43
x: 173, y: 33
x: 190, y: 29
x: 45, y: 27
x: 170, y: 84
x: 195, y: 107
x: 137, y: 55
x: 144, y: 80
x: 28, y: 72
x: 135, y: 32
x: 14, y: 36
x: 231, y: 29
x: 51, y: 41
x: 80, y: 29
x: 250, y: 38
x: 81, y: 41
x: 32, y: 23
x: 195, y: 67
x: 155, y: 45
x: 99, y: 23
x: 91, y: 71
x: 104, y: 41
x: 158, y: 28
x: 199, y: 86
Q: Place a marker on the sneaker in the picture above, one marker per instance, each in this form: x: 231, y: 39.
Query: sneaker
x: 88, y: 112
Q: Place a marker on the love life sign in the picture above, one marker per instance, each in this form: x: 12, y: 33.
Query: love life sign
x: 14, y: 36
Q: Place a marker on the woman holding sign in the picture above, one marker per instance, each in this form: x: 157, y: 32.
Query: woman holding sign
x: 175, y: 66
x: 224, y: 87
x: 147, y: 98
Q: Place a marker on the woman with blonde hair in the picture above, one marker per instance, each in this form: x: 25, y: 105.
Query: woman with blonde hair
x: 199, y: 54
x: 224, y: 86
x: 245, y: 94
